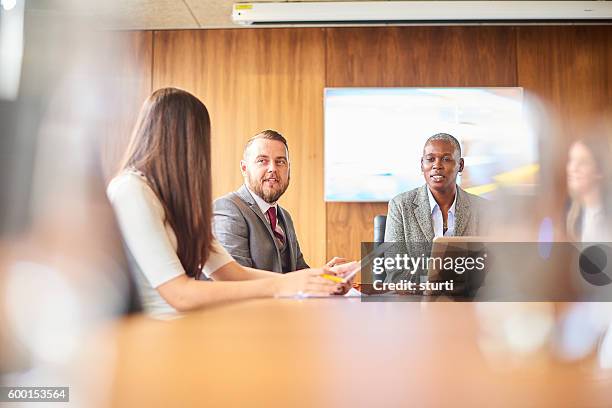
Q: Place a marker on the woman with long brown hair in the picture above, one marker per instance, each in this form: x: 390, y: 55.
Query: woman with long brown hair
x: 162, y: 198
x: 588, y: 181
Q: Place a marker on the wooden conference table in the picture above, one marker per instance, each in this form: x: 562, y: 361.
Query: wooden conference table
x: 341, y: 352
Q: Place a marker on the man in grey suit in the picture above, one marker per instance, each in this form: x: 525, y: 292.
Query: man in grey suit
x: 438, y: 208
x: 249, y: 223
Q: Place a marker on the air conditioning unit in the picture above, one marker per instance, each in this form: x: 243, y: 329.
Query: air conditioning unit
x: 381, y: 12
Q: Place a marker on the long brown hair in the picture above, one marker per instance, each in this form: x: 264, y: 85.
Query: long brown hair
x: 170, y: 144
x: 599, y: 146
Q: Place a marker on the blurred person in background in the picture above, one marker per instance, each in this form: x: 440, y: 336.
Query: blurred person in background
x: 588, y: 183
x: 585, y: 327
x: 162, y: 198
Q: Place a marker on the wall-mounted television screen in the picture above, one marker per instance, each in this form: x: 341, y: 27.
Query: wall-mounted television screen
x: 374, y: 139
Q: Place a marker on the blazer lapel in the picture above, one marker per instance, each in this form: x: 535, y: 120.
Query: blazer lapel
x: 290, y: 239
x: 462, y: 212
x: 422, y: 213
x: 245, y: 195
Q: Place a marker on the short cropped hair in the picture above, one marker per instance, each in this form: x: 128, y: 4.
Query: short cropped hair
x: 267, y: 134
x: 447, y: 138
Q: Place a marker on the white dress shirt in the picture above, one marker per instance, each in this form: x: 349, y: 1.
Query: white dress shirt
x: 264, y: 207
x: 594, y: 226
x: 437, y: 220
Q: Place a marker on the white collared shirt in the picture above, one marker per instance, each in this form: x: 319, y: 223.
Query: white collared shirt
x: 264, y: 207
x: 436, y: 217
x: 594, y: 227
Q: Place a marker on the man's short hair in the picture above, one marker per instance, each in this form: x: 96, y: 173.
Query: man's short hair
x: 447, y: 138
x: 267, y: 134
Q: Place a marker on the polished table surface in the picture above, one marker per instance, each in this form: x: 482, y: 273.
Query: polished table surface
x: 344, y: 352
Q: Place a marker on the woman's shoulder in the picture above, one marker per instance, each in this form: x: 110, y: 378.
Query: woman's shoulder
x: 129, y: 183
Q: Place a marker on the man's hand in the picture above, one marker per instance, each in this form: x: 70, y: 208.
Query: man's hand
x: 344, y: 269
x: 336, y: 260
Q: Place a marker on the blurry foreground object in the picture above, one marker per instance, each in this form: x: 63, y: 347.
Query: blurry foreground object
x: 11, y: 47
x: 62, y: 267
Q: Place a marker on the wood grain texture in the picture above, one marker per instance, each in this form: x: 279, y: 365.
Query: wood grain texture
x: 421, y: 56
x: 281, y: 353
x: 569, y: 69
x: 130, y: 73
x: 250, y: 80
x: 350, y: 224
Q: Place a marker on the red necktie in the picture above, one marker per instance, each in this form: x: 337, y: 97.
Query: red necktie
x: 272, y: 216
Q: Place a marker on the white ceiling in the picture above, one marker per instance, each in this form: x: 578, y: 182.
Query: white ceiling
x: 176, y: 14
x: 160, y: 14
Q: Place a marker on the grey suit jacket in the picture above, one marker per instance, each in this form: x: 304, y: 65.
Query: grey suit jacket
x: 244, y: 231
x: 409, y: 220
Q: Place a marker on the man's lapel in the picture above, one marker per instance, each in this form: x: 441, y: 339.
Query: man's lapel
x: 290, y: 238
x: 245, y: 195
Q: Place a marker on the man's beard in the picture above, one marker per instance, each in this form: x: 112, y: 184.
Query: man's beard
x: 269, y: 196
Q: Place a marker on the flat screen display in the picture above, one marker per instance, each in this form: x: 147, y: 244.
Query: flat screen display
x: 374, y: 139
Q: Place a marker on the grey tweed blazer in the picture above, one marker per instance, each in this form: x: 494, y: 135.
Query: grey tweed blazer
x: 409, y: 220
x: 244, y: 231
x: 409, y: 216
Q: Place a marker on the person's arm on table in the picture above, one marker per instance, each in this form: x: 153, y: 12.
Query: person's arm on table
x: 140, y: 217
x: 184, y: 293
x: 343, y: 270
x: 232, y: 271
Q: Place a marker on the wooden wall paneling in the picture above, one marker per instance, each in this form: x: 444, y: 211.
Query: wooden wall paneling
x: 569, y: 68
x: 421, y: 56
x: 408, y: 57
x: 569, y: 71
x: 130, y: 74
x: 350, y: 224
x: 250, y: 80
